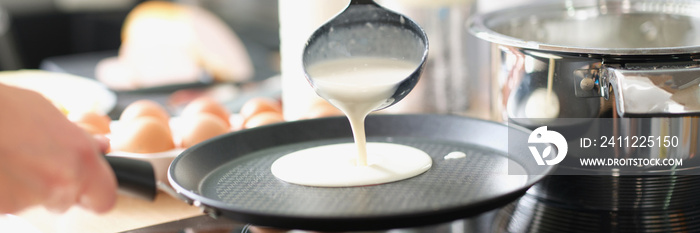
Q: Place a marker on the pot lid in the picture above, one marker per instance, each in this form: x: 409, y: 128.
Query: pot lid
x: 611, y: 27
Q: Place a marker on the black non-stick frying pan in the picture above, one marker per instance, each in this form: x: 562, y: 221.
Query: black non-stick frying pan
x: 230, y: 175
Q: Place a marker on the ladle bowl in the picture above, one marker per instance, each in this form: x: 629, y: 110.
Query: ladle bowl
x: 365, y: 29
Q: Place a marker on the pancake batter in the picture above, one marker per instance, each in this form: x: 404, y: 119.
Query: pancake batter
x: 356, y: 86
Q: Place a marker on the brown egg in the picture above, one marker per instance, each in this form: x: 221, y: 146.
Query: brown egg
x: 142, y: 108
x: 145, y: 134
x: 263, y: 118
x: 199, y: 127
x: 258, y: 105
x: 99, y: 124
x: 322, y: 108
x: 207, y: 105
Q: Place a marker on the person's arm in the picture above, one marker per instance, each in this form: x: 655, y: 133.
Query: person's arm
x: 47, y: 160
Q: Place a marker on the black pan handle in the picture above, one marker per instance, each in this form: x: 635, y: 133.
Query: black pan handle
x: 134, y: 177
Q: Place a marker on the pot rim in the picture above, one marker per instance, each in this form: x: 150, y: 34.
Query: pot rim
x: 478, y: 24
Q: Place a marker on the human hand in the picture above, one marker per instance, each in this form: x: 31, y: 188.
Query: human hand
x: 47, y: 160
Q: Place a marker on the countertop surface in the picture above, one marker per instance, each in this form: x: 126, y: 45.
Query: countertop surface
x: 129, y: 213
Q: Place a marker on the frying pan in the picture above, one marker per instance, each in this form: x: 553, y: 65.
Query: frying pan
x: 230, y: 175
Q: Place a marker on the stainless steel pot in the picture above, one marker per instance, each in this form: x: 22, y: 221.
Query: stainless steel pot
x: 647, y: 51
x: 634, y: 61
x: 599, y: 58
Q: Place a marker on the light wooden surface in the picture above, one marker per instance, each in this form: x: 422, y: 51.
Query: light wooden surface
x: 129, y: 213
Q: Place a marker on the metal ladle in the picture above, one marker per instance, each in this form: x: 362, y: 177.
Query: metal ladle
x: 365, y: 29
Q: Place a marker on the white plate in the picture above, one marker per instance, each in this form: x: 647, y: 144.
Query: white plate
x: 73, y: 93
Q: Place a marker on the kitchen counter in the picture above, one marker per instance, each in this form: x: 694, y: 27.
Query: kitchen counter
x: 129, y: 213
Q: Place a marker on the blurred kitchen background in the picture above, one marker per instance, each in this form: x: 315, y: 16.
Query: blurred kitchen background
x: 72, y: 36
x: 34, y: 30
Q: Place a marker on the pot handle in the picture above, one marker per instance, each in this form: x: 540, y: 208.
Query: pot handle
x: 644, y: 92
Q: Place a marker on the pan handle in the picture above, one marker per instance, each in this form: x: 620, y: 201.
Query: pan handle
x: 134, y: 177
x: 645, y: 91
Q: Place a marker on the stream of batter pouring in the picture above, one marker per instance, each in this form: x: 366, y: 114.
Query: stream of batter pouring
x: 356, y: 86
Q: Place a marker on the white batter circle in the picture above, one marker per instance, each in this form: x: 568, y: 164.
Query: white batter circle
x: 334, y: 165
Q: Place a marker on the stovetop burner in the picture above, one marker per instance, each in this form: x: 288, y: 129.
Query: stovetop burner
x: 533, y: 215
x: 605, y: 204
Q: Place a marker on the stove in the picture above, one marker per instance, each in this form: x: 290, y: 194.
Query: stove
x: 605, y: 204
